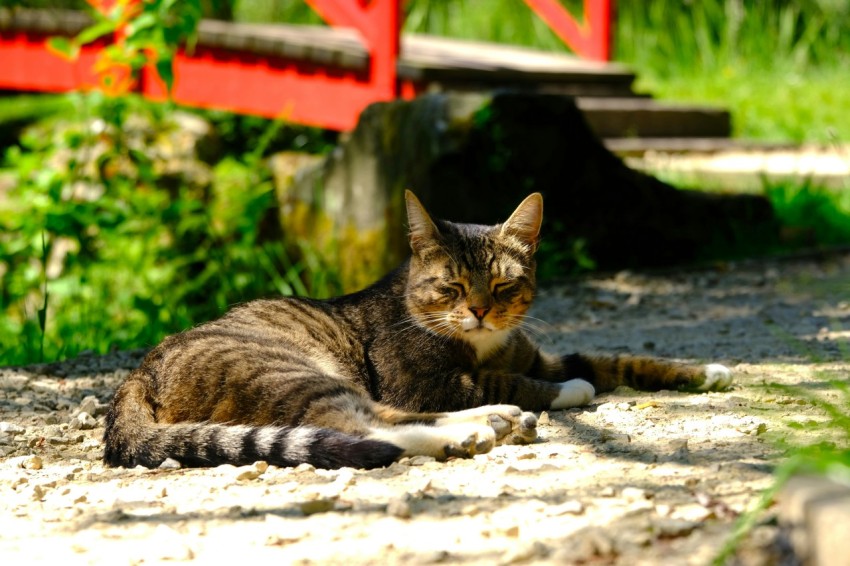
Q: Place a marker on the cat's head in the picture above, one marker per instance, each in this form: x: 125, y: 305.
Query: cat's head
x: 474, y: 283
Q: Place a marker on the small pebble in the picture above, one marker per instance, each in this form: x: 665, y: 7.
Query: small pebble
x: 526, y: 552
x: 83, y: 421
x: 247, y: 474
x: 32, y: 463
x: 170, y: 464
x: 672, y: 528
x: 572, y: 507
x: 400, y: 507
x: 92, y: 406
x: 316, y: 506
x: 543, y: 419
x: 613, y: 436
x: 11, y: 428
x: 635, y: 494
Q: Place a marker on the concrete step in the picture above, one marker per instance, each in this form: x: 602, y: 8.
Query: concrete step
x: 634, y: 117
x: 637, y: 147
x: 749, y: 166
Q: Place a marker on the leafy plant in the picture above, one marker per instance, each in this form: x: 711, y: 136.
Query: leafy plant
x: 143, y: 32
x: 127, y: 251
x: 811, y: 214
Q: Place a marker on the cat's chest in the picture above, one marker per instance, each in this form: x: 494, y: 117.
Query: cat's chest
x: 485, y: 343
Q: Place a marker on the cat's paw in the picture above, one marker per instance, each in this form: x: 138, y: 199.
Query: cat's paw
x: 573, y: 393
x: 515, y: 428
x: 465, y: 441
x: 717, y: 378
x: 509, y: 423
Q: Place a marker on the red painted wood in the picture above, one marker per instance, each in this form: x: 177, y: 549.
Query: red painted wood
x: 28, y: 65
x: 591, y: 39
x: 343, y: 13
x: 379, y: 23
x: 297, y: 91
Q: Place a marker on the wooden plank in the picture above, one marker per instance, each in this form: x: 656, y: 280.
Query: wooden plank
x: 438, y: 58
x: 318, y: 44
x: 58, y: 22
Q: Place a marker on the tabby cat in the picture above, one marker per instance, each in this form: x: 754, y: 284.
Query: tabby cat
x: 430, y: 360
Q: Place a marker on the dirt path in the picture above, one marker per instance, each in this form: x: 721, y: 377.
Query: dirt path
x: 635, y: 478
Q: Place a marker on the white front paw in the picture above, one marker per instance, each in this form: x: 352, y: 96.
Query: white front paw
x: 574, y: 393
x: 717, y: 377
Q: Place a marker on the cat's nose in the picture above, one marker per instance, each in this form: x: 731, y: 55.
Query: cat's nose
x: 479, y: 312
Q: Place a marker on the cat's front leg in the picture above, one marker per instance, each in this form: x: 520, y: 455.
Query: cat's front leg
x: 531, y: 394
x: 646, y: 373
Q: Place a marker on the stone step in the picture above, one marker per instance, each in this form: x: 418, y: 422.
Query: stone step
x: 635, y: 117
x: 637, y: 147
x: 748, y: 166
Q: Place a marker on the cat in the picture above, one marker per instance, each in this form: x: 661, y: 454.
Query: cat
x: 430, y: 360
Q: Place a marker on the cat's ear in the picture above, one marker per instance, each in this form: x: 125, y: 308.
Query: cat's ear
x: 423, y: 231
x: 525, y: 222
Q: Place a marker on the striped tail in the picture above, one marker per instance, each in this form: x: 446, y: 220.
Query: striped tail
x: 134, y: 438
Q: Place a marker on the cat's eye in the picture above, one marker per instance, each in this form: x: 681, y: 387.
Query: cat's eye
x: 504, y: 287
x: 453, y: 290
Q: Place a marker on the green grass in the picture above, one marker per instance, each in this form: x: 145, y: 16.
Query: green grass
x: 811, y: 215
x: 767, y: 104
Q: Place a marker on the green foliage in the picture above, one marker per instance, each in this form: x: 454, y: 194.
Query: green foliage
x: 242, y: 134
x: 148, y: 32
x: 811, y: 215
x: 558, y: 256
x: 28, y: 107
x: 829, y: 456
x: 98, y: 251
x: 672, y: 38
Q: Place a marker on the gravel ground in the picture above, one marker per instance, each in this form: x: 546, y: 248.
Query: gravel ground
x: 634, y: 478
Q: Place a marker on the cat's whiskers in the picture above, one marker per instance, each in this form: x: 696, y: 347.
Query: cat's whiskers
x: 526, y: 318
x: 522, y: 322
x: 435, y: 323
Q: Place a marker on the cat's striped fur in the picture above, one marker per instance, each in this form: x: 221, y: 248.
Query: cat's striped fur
x: 430, y: 360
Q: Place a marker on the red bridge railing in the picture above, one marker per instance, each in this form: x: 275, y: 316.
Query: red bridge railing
x: 310, y: 90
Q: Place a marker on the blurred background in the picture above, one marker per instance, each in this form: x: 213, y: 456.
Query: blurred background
x: 123, y: 220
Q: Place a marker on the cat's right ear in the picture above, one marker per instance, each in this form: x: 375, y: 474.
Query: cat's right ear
x: 423, y: 231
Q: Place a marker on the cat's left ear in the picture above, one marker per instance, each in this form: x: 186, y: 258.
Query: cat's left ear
x: 423, y: 231
x: 525, y: 222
